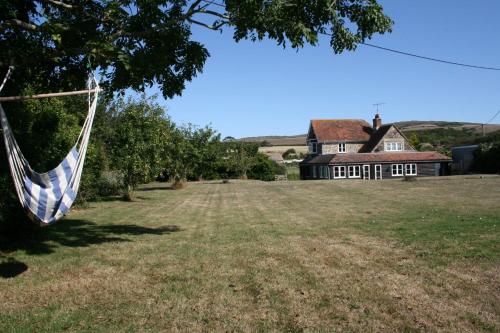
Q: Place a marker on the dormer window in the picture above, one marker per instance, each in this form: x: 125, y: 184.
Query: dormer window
x: 313, y: 147
x: 342, y: 147
x: 393, y: 146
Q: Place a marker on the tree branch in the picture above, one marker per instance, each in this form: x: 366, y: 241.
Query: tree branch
x: 192, y: 8
x: 22, y: 24
x: 211, y: 12
x: 59, y: 3
x: 208, y: 26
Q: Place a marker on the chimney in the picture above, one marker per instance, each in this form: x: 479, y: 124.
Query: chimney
x: 377, y: 122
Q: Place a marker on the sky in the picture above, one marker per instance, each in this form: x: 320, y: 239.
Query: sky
x: 253, y: 89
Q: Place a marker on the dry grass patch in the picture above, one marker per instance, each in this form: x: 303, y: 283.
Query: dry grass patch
x: 253, y: 256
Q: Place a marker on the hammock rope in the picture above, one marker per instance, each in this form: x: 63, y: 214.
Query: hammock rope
x: 47, y: 197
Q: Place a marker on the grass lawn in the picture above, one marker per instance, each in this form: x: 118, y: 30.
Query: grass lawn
x: 347, y: 256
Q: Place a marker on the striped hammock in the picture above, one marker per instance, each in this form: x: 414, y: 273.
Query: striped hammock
x: 47, y: 197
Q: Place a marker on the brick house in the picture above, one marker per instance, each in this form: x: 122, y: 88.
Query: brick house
x: 349, y: 148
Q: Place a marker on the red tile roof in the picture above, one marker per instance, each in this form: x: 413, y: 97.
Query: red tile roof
x: 352, y: 158
x: 341, y: 130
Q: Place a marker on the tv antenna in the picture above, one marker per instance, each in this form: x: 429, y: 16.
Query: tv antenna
x: 378, y: 104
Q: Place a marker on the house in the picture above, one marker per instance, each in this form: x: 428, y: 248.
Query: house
x: 350, y: 148
x: 276, y: 157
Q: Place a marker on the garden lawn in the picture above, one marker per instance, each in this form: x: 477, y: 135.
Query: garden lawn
x: 252, y: 256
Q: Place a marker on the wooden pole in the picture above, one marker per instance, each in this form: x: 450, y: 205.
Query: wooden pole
x: 59, y: 94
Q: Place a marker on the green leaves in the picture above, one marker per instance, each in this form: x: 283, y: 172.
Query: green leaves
x: 140, y: 132
x: 136, y: 44
x: 300, y: 22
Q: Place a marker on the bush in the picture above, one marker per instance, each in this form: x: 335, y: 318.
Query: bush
x: 110, y: 183
x: 487, y: 158
x: 265, y: 169
x: 289, y: 154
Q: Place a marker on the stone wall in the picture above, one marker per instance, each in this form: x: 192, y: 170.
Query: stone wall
x: 393, y: 135
x: 327, y: 148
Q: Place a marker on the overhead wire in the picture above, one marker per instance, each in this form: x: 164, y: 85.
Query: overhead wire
x: 492, y: 118
x: 449, y: 62
x: 429, y: 58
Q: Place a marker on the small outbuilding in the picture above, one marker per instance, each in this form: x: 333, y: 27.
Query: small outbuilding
x: 463, y: 158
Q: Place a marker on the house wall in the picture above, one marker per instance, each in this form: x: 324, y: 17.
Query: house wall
x: 333, y: 148
x: 393, y: 135
x: 423, y: 170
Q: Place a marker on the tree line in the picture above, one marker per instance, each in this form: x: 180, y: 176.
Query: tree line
x: 133, y: 142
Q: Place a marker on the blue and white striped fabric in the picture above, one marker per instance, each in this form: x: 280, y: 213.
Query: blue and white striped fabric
x: 47, y: 197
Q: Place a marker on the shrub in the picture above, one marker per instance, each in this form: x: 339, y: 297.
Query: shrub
x: 265, y: 169
x: 289, y: 154
x: 110, y: 183
x: 487, y: 158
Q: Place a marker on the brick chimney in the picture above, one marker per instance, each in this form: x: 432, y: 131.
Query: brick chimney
x: 377, y: 122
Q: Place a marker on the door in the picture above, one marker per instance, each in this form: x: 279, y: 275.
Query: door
x: 378, y: 171
x: 366, y: 172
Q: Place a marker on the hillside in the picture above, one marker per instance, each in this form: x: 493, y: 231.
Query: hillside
x: 436, y: 133
x: 276, y: 140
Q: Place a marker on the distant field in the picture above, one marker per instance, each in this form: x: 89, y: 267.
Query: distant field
x: 293, y: 140
x: 282, y: 149
x: 249, y: 256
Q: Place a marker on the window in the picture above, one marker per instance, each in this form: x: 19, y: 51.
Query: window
x: 411, y: 169
x: 313, y: 147
x: 320, y: 172
x: 378, y: 171
x: 397, y: 169
x: 314, y: 171
x: 366, y: 172
x: 342, y: 147
x: 354, y: 171
x: 393, y: 146
x: 338, y: 172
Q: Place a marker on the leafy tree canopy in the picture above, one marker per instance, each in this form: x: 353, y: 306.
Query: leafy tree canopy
x: 138, y: 43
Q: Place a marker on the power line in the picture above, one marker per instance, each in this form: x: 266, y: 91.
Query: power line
x: 431, y: 59
x: 211, y: 2
x: 492, y: 118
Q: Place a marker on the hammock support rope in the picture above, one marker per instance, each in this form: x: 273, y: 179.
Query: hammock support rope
x: 47, y: 197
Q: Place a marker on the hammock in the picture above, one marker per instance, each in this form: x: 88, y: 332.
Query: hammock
x: 47, y: 197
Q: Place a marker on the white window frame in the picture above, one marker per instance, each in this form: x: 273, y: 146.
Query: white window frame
x: 394, y: 146
x: 342, y: 147
x: 325, y: 172
x: 379, y: 167
x: 399, y: 168
x: 366, y: 172
x: 411, y: 169
x: 314, y: 171
x: 313, y: 147
x: 354, y: 168
x: 341, y: 172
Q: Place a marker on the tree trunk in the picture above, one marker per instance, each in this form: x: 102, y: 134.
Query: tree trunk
x: 128, y: 194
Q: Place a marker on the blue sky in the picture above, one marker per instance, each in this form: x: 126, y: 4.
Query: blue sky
x: 250, y: 89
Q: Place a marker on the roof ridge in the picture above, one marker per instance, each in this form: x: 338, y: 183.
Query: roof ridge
x: 340, y: 119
